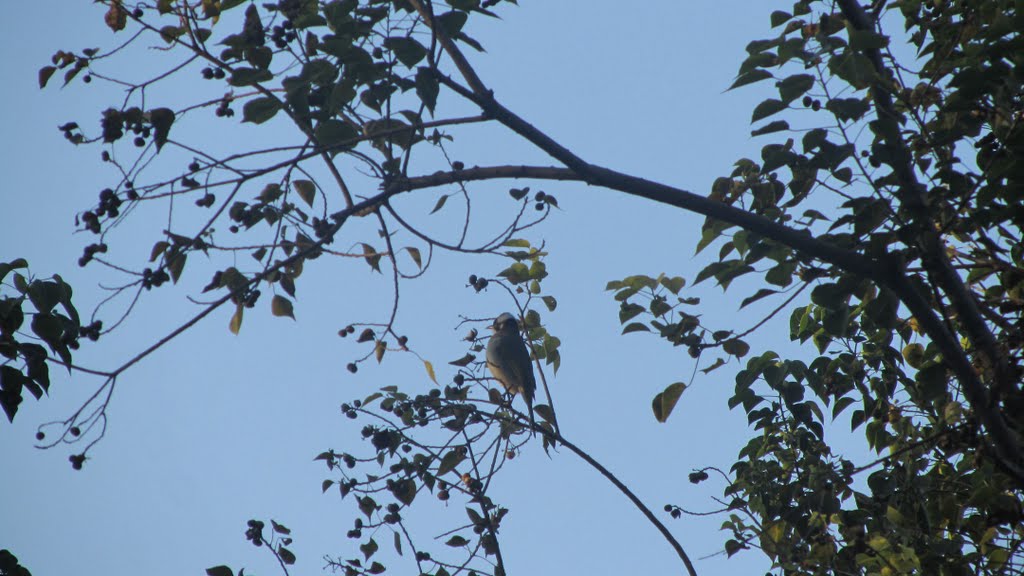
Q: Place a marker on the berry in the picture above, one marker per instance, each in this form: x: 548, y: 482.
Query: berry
x: 40, y: 436
x: 76, y: 431
x: 352, y: 367
x: 139, y: 141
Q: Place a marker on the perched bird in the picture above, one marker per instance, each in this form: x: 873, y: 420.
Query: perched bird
x: 509, y: 360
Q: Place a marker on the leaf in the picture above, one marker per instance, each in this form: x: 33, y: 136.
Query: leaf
x: 286, y: 555
x: 280, y: 528
x: 750, y: 77
x: 427, y: 87
x: 306, y: 190
x: 398, y: 542
x: 281, y: 306
x: 176, y: 264
x: 408, y: 50
x: 736, y: 347
x: 450, y: 460
x: 249, y: 76
x: 757, y: 296
x: 779, y: 18
x: 550, y: 302
x: 440, y: 203
x: 456, y: 541
x: 766, y: 109
x: 326, y: 485
x: 414, y: 253
x: 793, y: 87
x: 867, y: 40
x: 236, y: 319
x: 776, y: 126
x: 464, y: 361
x: 336, y: 135
x: 369, y: 548
x: 665, y: 401
x: 519, y: 193
x: 116, y: 17
x: 371, y: 256
x: 259, y: 110
x: 430, y: 371
x: 635, y: 327
x: 158, y: 249
x: 44, y: 75
x: 718, y: 363
x: 161, y: 119
x: 545, y: 412
x: 219, y: 571
x: 379, y: 349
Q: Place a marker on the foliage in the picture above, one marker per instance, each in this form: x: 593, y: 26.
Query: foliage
x: 894, y: 254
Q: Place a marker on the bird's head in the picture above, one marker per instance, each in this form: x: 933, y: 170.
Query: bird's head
x: 505, y: 323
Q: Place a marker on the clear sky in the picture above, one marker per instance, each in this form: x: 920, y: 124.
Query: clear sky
x: 216, y: 429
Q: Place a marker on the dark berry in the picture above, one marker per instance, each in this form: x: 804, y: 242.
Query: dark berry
x: 40, y: 436
x: 139, y: 141
x: 352, y: 367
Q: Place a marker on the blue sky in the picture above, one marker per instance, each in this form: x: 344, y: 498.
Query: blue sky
x: 216, y: 429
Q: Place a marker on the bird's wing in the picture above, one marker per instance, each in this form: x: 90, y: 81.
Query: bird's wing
x: 521, y: 369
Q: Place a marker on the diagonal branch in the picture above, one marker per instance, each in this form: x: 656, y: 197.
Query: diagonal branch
x: 911, y: 194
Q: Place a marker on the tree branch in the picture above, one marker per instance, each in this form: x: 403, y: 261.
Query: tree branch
x: 911, y: 194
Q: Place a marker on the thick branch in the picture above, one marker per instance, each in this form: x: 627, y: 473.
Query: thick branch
x: 911, y: 194
x: 797, y: 239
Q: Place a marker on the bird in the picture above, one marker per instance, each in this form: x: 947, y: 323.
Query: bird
x: 509, y: 361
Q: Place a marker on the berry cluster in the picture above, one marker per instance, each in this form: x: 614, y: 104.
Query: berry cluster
x: 283, y: 34
x: 90, y: 251
x: 151, y: 279
x: 255, y: 532
x: 211, y: 73
x: 71, y: 133
x: 478, y: 284
x: 92, y: 332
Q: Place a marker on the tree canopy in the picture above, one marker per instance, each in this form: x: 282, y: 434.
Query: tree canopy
x: 882, y: 220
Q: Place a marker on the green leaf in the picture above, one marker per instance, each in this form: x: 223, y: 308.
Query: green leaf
x: 44, y: 75
x: 778, y: 18
x: 452, y: 22
x: 176, y: 264
x: 408, y: 50
x: 755, y: 75
x: 635, y: 327
x: 456, y: 541
x: 776, y: 126
x: 305, y: 189
x: 793, y: 87
x: 450, y: 460
x: 369, y: 548
x: 545, y: 412
x: 549, y: 302
x: 281, y: 306
x: 440, y: 203
x: 736, y: 347
x: 414, y: 253
x: 665, y: 401
x: 319, y: 72
x: 867, y: 40
x: 427, y: 87
x: 763, y: 292
x: 249, y: 76
x: 336, y: 135
x: 371, y: 256
x: 161, y: 119
x: 259, y: 110
x: 766, y: 109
